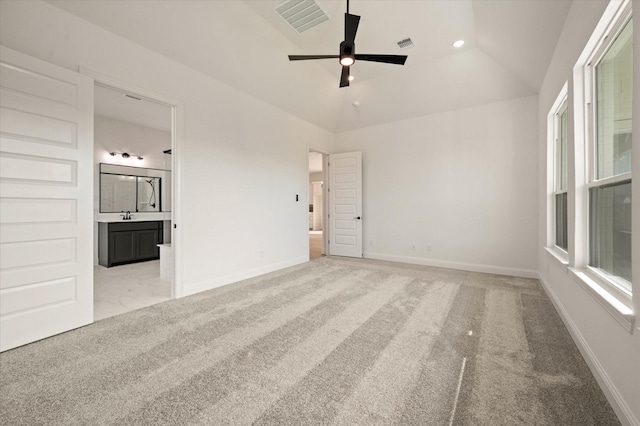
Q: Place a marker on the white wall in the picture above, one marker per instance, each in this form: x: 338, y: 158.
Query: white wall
x: 463, y: 182
x: 239, y: 154
x: 611, y: 351
x: 315, y: 198
x: 116, y: 135
x: 315, y: 177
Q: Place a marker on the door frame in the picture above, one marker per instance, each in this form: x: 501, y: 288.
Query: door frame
x: 177, y: 141
x: 325, y: 198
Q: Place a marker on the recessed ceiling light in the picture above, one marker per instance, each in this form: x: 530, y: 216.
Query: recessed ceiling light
x: 458, y: 43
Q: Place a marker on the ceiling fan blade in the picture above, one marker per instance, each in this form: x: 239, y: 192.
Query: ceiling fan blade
x: 344, y: 77
x: 350, y: 27
x: 307, y: 57
x: 387, y: 59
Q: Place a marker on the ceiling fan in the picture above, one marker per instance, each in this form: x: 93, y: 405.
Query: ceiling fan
x: 348, y: 53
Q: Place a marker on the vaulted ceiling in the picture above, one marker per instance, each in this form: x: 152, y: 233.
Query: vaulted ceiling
x: 508, y: 46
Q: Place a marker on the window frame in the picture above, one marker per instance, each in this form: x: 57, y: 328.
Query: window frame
x: 610, y: 282
x: 559, y: 254
x: 557, y: 114
x: 596, y: 275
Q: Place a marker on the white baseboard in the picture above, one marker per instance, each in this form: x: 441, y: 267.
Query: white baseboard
x: 239, y: 276
x: 488, y: 269
x: 619, y: 405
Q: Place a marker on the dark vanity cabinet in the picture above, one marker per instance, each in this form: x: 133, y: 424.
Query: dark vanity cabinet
x: 128, y: 242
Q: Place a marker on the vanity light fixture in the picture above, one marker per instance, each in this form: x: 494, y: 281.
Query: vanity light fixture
x: 125, y: 155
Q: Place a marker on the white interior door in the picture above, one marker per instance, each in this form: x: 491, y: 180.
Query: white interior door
x: 345, y: 193
x: 46, y: 199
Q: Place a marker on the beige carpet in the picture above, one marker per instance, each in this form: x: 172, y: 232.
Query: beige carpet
x: 333, y: 341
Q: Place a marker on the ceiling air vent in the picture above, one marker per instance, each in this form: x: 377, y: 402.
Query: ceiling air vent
x: 126, y: 95
x: 405, y: 43
x: 302, y: 14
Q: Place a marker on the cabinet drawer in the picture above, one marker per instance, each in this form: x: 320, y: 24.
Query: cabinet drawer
x: 134, y: 226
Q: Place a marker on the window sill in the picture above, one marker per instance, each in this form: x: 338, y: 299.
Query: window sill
x: 560, y: 255
x: 622, y: 313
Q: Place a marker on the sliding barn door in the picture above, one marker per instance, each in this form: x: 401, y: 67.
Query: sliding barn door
x: 345, y: 194
x: 46, y: 199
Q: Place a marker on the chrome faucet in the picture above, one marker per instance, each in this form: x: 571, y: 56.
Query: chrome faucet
x: 127, y: 215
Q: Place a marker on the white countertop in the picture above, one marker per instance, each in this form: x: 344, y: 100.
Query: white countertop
x: 135, y: 217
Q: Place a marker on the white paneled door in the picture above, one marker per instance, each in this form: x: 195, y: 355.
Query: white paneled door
x: 345, y: 192
x: 46, y: 199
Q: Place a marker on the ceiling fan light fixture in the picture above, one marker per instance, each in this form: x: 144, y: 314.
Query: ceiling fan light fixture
x: 347, y: 61
x: 347, y: 55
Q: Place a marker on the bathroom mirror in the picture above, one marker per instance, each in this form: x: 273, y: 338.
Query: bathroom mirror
x: 117, y: 193
x: 134, y: 189
x: 148, y: 194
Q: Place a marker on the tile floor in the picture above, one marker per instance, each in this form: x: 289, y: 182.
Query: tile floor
x: 125, y: 288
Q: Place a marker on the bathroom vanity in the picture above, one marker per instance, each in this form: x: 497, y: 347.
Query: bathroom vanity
x: 128, y: 241
x: 134, y: 212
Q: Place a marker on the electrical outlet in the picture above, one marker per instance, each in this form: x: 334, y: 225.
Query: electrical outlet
x: 413, y: 246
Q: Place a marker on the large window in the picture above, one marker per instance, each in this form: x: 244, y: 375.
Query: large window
x: 609, y: 185
x: 560, y: 177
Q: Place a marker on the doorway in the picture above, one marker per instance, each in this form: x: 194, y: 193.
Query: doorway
x: 134, y: 138
x: 317, y: 204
